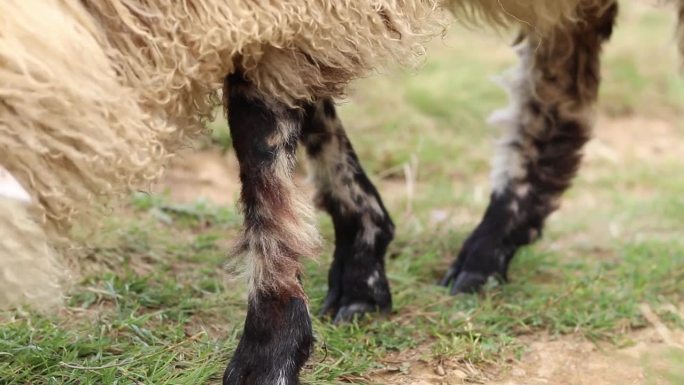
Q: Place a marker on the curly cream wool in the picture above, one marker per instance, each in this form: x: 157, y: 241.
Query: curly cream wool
x: 95, y: 94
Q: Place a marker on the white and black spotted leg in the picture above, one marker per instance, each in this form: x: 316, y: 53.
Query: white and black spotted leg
x: 277, y: 336
x: 548, y: 122
x: 363, y: 228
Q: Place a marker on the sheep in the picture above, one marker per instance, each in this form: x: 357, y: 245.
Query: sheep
x: 96, y: 95
x: 98, y: 98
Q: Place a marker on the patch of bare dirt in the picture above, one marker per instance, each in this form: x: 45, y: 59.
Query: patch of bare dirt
x: 421, y: 372
x: 574, y: 361
x: 567, y: 360
x: 208, y: 175
x: 647, y: 139
x: 564, y: 360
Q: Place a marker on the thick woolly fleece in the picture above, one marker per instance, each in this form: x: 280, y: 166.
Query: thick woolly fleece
x: 95, y: 94
x: 540, y: 16
x: 34, y: 266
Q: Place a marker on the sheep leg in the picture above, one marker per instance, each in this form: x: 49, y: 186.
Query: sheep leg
x: 357, y: 282
x: 277, y: 335
x: 548, y: 123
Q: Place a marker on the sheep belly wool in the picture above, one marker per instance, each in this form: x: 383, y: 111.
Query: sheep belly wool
x: 538, y: 15
x: 95, y: 94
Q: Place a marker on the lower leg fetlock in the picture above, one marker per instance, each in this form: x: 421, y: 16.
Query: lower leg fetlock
x: 276, y: 342
x: 363, y: 227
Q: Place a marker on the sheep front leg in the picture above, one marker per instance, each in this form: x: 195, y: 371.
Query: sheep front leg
x: 357, y: 282
x: 277, y: 336
x: 549, y: 121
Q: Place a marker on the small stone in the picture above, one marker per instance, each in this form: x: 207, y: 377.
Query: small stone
x: 459, y: 374
x: 440, y: 370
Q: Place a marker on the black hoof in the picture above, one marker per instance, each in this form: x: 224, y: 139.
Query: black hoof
x: 480, y: 259
x: 347, y: 313
x: 353, y: 295
x: 468, y: 282
x: 276, y: 343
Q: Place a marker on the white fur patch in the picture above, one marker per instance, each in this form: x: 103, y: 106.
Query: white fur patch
x: 11, y: 188
x: 281, y: 378
x: 508, y: 163
x: 373, y: 279
x: 29, y: 269
x: 370, y: 230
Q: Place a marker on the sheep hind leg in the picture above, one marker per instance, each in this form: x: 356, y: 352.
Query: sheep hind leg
x: 357, y: 282
x: 547, y: 125
x: 277, y: 336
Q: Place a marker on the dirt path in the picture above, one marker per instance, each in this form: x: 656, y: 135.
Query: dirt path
x: 208, y: 175
x: 573, y: 361
x: 566, y: 360
x: 622, y: 139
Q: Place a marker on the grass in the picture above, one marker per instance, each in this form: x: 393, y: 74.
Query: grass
x: 158, y: 307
